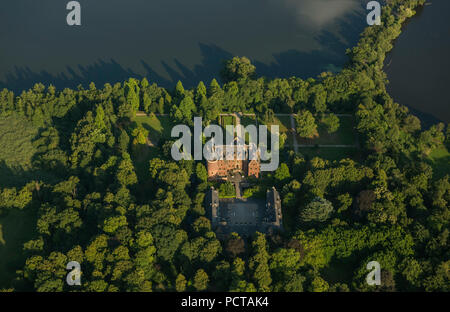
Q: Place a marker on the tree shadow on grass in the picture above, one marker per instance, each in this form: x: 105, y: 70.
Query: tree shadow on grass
x: 18, y: 227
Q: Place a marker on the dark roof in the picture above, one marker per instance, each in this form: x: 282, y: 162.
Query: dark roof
x: 212, y: 201
x: 273, y: 207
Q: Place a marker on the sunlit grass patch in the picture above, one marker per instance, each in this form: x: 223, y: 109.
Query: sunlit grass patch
x: 440, y: 161
x: 159, y: 127
x: 345, y: 135
x: 16, y: 137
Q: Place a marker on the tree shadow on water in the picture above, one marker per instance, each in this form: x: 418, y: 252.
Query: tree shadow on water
x: 100, y: 72
x: 285, y: 64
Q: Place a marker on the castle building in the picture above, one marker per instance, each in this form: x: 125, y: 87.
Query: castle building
x: 240, y: 216
x: 230, y: 159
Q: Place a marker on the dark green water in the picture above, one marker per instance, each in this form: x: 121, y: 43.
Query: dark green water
x: 171, y: 40
x: 419, y: 66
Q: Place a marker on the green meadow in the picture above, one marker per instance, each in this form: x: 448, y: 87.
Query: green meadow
x: 439, y: 159
x: 158, y: 126
x: 345, y: 135
x: 17, y: 150
x: 16, y: 228
x: 329, y: 153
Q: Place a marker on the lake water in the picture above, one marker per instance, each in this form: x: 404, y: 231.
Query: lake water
x: 171, y: 40
x: 419, y: 65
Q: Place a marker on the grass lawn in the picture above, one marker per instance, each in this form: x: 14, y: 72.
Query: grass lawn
x: 226, y: 121
x: 284, y: 123
x: 158, y: 127
x: 16, y: 152
x: 248, y: 120
x: 439, y: 159
x: 257, y: 191
x: 345, y: 135
x: 16, y: 136
x: 329, y: 153
x: 141, y: 157
x: 18, y: 227
x: 227, y: 196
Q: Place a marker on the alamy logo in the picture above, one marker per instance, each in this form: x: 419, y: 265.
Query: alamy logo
x: 74, y: 16
x: 374, y: 17
x: 74, y: 276
x: 374, y: 276
x: 234, y: 147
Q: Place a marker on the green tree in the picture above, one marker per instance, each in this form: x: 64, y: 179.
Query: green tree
x: 227, y: 189
x: 294, y: 283
x: 100, y: 118
x: 113, y: 223
x: 306, y: 125
x: 201, y: 225
x: 180, y: 283
x: 258, y: 263
x: 318, y: 284
x: 201, y: 280
x: 318, y: 210
x: 201, y: 172
x: 125, y: 173
x: 431, y: 138
x: 179, y: 90
x: 330, y: 122
x: 123, y: 142
x: 132, y: 94
x: 200, y: 92
x: 11, y: 198
x: 318, y: 99
x: 447, y: 138
x: 147, y: 103
x: 238, y: 68
x: 187, y: 107
x: 282, y: 173
x: 140, y: 135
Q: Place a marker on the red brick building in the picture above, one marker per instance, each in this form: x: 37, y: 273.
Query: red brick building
x: 232, y: 161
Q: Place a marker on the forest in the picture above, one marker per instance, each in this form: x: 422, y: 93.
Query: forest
x: 80, y: 181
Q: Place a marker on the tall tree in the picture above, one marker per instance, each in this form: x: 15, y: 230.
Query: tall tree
x: 238, y: 68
